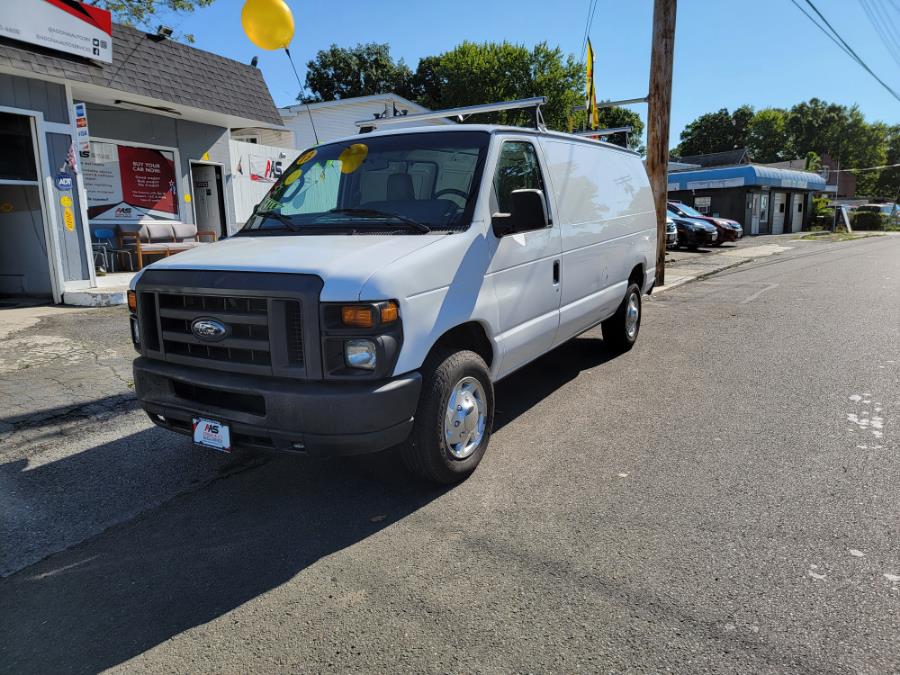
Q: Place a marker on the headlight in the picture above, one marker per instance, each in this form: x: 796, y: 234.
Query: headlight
x: 360, y: 354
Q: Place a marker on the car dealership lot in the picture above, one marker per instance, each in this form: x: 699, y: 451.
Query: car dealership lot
x: 715, y: 500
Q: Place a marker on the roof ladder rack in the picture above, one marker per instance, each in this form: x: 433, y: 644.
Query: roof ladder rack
x: 461, y: 113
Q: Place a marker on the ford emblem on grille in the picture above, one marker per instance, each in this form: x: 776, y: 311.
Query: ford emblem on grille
x: 210, y: 330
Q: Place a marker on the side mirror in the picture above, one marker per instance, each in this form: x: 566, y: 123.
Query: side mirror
x: 528, y: 212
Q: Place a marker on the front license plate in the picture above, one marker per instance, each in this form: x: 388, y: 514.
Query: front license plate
x: 212, y: 434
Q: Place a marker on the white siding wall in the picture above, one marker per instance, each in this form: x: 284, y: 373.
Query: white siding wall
x: 337, y: 121
x: 248, y: 192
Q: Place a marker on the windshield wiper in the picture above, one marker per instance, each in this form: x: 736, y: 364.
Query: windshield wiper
x: 280, y: 217
x: 375, y: 213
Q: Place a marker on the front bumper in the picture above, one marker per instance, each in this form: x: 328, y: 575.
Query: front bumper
x: 322, y: 418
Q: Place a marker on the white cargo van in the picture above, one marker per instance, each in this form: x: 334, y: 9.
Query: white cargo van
x: 386, y: 283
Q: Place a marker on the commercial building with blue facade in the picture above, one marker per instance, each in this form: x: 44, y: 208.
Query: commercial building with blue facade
x: 765, y: 200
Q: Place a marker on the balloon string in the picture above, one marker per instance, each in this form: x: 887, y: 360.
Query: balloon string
x: 308, y: 111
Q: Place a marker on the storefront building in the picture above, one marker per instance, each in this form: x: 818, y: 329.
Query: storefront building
x: 765, y: 200
x: 106, y: 128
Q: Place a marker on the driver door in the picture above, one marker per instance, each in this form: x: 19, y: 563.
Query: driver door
x: 525, y: 266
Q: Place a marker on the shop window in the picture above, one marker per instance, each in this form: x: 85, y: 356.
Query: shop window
x: 17, y: 159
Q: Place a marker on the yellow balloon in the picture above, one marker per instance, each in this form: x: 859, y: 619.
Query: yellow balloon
x: 268, y: 23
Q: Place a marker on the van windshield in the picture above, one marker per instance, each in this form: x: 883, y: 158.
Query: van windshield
x: 410, y: 183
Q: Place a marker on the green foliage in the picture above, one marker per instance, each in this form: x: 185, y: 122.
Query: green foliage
x: 813, y: 162
x: 809, y: 129
x: 143, y: 13
x: 820, y: 207
x: 767, y: 136
x: 472, y: 73
x: 888, y: 182
x: 468, y: 74
x: 867, y: 220
x: 715, y: 132
x: 363, y: 70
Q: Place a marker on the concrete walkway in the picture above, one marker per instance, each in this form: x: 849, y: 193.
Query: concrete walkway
x: 683, y: 270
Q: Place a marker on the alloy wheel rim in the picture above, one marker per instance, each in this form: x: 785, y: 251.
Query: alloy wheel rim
x: 465, y: 418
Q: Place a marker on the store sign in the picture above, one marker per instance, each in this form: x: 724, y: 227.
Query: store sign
x: 61, y: 25
x: 82, y: 135
x: 263, y: 169
x: 126, y: 184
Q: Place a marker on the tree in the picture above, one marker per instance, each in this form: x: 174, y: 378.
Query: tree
x: 813, y: 162
x: 842, y: 133
x: 610, y: 118
x: 473, y: 73
x: 363, y: 70
x: 767, y: 136
x: 888, y: 183
x: 142, y: 13
x: 716, y: 132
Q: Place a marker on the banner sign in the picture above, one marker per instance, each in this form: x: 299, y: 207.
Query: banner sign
x: 82, y: 135
x: 263, y: 169
x: 63, y: 25
x: 125, y: 184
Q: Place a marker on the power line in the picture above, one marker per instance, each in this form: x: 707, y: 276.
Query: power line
x: 849, y: 49
x: 821, y: 28
x: 592, y: 9
x: 867, y: 168
x: 883, y: 25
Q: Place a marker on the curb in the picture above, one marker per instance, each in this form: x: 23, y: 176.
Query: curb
x: 701, y: 276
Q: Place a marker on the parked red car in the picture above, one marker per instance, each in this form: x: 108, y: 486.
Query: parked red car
x: 729, y: 230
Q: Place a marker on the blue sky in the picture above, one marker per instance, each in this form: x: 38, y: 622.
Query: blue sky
x: 727, y: 53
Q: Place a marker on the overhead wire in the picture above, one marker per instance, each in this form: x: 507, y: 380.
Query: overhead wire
x: 883, y: 26
x: 847, y: 48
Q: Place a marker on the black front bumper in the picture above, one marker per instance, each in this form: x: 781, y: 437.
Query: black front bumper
x: 326, y: 418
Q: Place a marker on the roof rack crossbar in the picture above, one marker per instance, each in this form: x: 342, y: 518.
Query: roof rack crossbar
x: 462, y: 113
x: 605, y: 132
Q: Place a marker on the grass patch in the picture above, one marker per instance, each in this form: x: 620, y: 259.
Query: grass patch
x: 838, y: 236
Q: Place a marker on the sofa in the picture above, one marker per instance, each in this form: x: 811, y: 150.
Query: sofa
x: 160, y: 239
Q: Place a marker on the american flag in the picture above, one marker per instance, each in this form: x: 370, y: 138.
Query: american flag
x: 72, y: 158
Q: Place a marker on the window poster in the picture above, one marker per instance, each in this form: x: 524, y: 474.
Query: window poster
x: 130, y: 184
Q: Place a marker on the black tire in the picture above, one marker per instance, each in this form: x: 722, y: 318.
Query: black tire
x: 426, y: 452
x: 615, y: 329
x: 693, y: 247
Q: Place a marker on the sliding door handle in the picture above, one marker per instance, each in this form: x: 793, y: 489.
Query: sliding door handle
x: 556, y: 271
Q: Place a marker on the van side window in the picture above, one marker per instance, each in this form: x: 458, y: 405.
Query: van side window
x: 517, y: 169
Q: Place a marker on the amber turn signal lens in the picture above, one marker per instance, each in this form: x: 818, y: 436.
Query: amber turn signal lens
x: 357, y: 316
x: 132, y: 302
x: 389, y: 312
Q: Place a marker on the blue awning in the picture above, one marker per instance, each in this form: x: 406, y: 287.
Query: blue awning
x: 745, y: 175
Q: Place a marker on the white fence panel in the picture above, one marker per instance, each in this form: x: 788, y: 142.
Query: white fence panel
x: 254, y: 169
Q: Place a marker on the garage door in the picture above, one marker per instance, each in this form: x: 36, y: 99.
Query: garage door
x: 779, y: 204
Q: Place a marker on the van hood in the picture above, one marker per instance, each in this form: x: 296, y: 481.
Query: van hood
x: 344, y: 262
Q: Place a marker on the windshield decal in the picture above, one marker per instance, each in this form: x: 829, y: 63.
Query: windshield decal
x: 306, y: 156
x: 353, y: 157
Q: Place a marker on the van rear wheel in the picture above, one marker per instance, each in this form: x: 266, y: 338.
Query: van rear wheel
x: 620, y: 331
x: 453, y: 422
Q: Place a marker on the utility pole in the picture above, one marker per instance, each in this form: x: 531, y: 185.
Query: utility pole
x: 659, y: 109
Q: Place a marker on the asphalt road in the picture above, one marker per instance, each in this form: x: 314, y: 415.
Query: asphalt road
x: 723, y: 498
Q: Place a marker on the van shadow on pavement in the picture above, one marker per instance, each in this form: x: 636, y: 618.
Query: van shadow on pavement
x: 205, y: 553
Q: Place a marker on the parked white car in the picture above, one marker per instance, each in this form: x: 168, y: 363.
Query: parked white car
x: 384, y: 286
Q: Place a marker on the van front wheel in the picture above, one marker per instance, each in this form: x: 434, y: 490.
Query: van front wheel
x: 454, y: 418
x: 620, y: 331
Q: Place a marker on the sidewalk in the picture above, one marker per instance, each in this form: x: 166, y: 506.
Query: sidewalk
x: 684, y: 267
